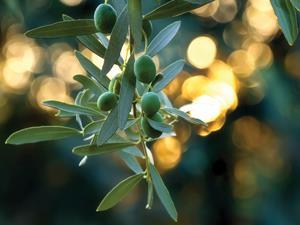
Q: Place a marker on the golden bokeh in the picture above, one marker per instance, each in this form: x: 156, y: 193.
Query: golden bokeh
x: 226, y: 12
x: 167, y: 152
x: 202, y: 52
x: 207, y: 10
x: 71, y: 2
x: 292, y: 65
x: 242, y: 63
x: 66, y: 66
x: 49, y: 88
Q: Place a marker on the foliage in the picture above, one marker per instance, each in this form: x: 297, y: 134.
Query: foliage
x: 120, y: 126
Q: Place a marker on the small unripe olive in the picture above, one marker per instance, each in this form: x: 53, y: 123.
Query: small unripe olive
x: 115, y: 84
x: 148, y: 130
x: 107, y: 101
x: 147, y: 28
x: 105, y: 17
x: 150, y: 103
x: 144, y: 69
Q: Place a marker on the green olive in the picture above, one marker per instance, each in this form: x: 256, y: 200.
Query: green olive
x: 107, y: 101
x: 105, y: 17
x: 144, y: 69
x: 148, y: 130
x: 150, y: 103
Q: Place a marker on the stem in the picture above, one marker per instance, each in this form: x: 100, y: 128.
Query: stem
x: 146, y: 40
x: 106, y: 1
x: 142, y: 138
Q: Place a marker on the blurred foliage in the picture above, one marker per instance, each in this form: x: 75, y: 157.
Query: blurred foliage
x: 242, y: 78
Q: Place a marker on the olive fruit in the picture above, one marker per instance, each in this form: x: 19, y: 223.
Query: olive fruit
x: 115, y: 84
x: 107, y: 101
x: 150, y: 103
x: 144, y: 69
x: 147, y: 28
x: 105, y: 17
x: 148, y: 130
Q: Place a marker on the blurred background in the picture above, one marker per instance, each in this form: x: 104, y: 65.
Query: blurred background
x: 241, y: 78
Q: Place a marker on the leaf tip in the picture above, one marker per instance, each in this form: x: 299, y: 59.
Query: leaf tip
x: 7, y: 141
x: 28, y: 34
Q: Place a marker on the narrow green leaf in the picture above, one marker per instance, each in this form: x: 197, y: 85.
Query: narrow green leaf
x: 175, y: 8
x: 130, y: 161
x: 109, y: 127
x: 184, y: 116
x: 118, y: 5
x: 165, y: 128
x: 126, y: 93
x: 135, y: 21
x: 117, y: 39
x: 296, y: 4
x: 163, y: 192
x: 89, y: 83
x: 165, y: 101
x: 149, y: 196
x: 64, y: 29
x: 287, y: 18
x: 130, y: 123
x: 169, y: 73
x: 89, y: 150
x: 92, y: 69
x: 93, y: 127
x: 133, y: 150
x: 119, y: 192
x: 42, y: 133
x: 89, y: 41
x: 92, y: 43
x: 163, y: 38
x: 81, y: 110
x: 62, y: 114
x: 85, y: 97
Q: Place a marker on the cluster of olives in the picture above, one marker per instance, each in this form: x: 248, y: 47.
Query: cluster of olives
x: 105, y: 17
x: 145, y: 72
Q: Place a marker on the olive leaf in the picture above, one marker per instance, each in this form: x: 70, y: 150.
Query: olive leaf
x: 89, y: 150
x: 63, y: 29
x: 41, y: 133
x: 165, y: 101
x: 163, y: 192
x: 89, y: 41
x: 184, y: 116
x: 163, y: 38
x: 165, y: 128
x: 175, y: 8
x: 109, y: 127
x: 89, y: 83
x: 134, y: 151
x: 85, y: 96
x: 117, y: 39
x: 169, y: 73
x: 296, y: 4
x: 126, y: 93
x: 135, y: 21
x: 119, y: 192
x: 93, y: 127
x: 81, y: 110
x: 130, y: 123
x: 130, y: 161
x: 118, y: 5
x: 92, y: 69
x: 287, y: 18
